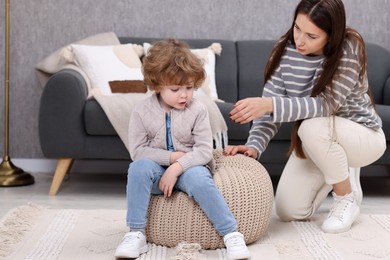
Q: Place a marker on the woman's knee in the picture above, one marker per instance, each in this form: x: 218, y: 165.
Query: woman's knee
x: 310, y: 130
x: 283, y: 210
x: 286, y: 210
x: 284, y: 213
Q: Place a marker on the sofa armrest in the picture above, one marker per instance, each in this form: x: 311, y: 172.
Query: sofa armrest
x: 61, y: 127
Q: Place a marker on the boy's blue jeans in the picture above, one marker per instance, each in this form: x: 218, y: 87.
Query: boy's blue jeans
x: 143, y: 179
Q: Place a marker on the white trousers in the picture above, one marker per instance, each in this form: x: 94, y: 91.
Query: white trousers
x: 331, y: 145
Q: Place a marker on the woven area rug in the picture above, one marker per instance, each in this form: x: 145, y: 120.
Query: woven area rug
x: 34, y: 232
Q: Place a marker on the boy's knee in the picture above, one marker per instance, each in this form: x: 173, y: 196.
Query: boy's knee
x: 140, y: 167
x: 196, y: 181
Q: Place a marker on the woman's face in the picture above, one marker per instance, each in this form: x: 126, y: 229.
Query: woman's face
x: 309, y: 39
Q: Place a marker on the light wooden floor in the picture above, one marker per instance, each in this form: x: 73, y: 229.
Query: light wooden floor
x: 107, y: 191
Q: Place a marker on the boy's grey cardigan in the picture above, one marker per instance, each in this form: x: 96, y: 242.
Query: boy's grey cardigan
x: 190, y: 130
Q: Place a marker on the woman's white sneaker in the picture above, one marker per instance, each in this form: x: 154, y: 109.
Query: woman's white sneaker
x: 344, y: 212
x: 235, y: 246
x: 132, y: 246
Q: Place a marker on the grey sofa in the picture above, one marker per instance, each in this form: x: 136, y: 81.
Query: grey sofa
x: 74, y: 128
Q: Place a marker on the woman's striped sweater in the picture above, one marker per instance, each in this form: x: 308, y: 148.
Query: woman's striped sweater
x: 290, y: 87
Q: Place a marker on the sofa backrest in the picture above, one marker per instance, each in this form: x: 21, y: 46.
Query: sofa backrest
x: 252, y: 56
x: 378, y: 72
x: 225, y: 67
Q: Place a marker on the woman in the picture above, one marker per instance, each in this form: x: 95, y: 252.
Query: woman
x: 317, y: 77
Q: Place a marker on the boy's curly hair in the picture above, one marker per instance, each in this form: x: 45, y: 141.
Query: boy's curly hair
x: 171, y: 62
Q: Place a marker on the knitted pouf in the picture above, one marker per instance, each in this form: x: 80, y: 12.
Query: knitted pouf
x: 245, y: 185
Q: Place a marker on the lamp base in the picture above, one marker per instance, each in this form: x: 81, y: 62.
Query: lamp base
x: 10, y: 175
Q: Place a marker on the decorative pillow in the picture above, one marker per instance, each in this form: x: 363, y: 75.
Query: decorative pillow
x: 103, y: 64
x: 207, y: 55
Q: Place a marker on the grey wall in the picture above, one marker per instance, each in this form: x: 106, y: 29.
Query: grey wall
x: 39, y: 27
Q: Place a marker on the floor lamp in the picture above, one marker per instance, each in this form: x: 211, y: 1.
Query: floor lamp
x: 10, y: 175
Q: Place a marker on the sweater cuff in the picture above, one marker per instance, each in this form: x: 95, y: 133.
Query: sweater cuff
x: 185, y: 164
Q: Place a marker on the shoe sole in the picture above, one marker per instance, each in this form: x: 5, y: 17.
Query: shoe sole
x: 132, y: 254
x: 344, y: 229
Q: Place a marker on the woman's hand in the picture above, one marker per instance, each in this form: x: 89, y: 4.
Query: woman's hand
x: 245, y: 150
x: 247, y: 109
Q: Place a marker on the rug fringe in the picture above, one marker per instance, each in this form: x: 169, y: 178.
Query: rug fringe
x: 15, y: 224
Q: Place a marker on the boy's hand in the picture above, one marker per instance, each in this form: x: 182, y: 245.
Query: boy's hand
x: 169, y: 178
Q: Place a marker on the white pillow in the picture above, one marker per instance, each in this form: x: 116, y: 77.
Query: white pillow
x: 207, y: 55
x: 103, y: 64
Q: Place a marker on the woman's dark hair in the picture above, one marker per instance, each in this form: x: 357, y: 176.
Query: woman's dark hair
x: 329, y: 16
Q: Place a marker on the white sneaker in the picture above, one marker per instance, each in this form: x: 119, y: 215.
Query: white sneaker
x: 354, y: 178
x: 132, y: 246
x: 235, y: 246
x: 344, y: 212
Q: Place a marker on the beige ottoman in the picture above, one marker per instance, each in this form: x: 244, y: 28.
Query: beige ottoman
x: 247, y: 188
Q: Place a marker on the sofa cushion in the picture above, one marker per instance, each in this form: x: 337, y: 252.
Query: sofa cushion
x: 96, y: 121
x: 237, y: 133
x: 209, y: 87
x: 384, y: 113
x: 378, y: 71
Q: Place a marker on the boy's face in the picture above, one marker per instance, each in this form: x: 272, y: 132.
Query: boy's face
x: 176, y: 96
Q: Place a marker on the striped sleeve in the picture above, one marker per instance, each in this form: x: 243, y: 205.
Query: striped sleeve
x: 289, y: 109
x: 264, y: 128
x: 262, y: 131
x: 290, y: 88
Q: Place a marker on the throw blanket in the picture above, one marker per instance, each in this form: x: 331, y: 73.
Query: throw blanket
x: 118, y: 107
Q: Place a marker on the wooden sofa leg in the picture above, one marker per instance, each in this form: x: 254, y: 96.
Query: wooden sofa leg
x: 63, y: 166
